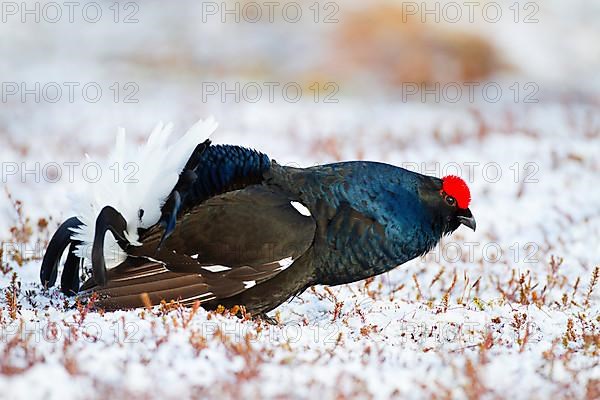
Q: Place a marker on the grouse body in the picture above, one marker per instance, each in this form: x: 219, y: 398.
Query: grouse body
x: 240, y: 229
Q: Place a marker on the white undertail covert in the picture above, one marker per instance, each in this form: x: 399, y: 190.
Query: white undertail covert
x: 146, y: 176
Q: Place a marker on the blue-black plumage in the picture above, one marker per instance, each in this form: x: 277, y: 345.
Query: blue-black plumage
x: 240, y: 229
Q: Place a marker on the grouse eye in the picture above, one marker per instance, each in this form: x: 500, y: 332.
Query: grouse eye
x: 450, y: 200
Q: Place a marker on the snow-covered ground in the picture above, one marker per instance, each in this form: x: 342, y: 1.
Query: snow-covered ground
x: 509, y: 311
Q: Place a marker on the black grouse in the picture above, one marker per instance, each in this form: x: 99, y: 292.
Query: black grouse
x: 237, y: 228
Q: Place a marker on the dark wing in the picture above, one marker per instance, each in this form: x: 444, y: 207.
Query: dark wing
x: 211, y: 170
x: 218, y: 249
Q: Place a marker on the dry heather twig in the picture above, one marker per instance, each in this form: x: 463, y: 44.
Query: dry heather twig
x: 593, y: 281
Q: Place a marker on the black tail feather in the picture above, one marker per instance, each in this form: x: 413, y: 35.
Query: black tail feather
x: 111, y: 220
x: 56, y: 247
x: 69, y: 280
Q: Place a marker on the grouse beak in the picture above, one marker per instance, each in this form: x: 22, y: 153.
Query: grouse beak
x: 467, y: 219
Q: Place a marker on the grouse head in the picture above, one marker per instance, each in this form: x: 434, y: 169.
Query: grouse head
x: 448, y: 202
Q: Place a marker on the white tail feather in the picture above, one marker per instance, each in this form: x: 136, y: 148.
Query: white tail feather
x: 132, y: 180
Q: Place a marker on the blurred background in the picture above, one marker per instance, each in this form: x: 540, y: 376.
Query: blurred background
x: 132, y: 63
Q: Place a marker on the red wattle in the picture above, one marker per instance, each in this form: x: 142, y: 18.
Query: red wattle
x: 454, y: 186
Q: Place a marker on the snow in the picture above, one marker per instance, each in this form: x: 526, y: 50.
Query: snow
x: 507, y: 311
x: 382, y: 339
